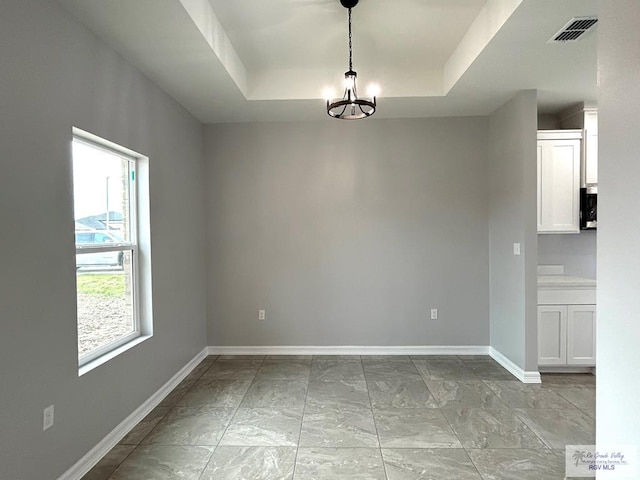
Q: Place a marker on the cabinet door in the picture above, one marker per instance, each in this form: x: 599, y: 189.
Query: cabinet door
x: 581, y: 335
x: 558, y: 186
x: 591, y: 148
x: 552, y: 335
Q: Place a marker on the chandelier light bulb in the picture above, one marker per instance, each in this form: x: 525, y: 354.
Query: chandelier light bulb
x: 373, y: 90
x: 349, y: 81
x: 328, y: 94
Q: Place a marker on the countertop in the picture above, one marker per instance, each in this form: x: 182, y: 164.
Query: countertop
x: 565, y: 281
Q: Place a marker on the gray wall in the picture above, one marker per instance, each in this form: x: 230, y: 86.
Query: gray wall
x: 576, y: 252
x: 56, y: 75
x: 512, y: 219
x: 548, y: 122
x: 348, y: 233
x: 618, y: 232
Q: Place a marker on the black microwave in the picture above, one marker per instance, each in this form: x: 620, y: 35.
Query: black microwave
x: 589, y: 208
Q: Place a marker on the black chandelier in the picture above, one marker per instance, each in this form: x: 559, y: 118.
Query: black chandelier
x: 350, y: 107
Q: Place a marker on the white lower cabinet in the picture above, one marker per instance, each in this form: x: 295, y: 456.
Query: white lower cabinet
x: 567, y: 335
x: 552, y: 335
x: 581, y: 335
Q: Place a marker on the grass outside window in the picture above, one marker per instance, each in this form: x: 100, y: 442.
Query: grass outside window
x: 105, y: 284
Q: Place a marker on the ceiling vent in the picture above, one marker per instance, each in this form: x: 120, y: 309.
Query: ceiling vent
x: 573, y: 30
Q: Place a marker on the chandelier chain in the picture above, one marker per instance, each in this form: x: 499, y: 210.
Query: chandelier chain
x: 350, y: 48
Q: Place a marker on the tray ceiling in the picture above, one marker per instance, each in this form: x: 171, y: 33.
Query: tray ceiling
x: 255, y: 60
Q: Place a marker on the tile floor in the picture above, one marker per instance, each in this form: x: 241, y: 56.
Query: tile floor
x: 350, y: 417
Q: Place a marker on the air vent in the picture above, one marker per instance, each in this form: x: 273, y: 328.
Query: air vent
x: 573, y: 30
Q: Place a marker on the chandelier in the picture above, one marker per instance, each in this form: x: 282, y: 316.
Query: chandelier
x: 350, y: 107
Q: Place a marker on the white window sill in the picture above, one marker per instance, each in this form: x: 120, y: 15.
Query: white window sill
x: 87, y: 367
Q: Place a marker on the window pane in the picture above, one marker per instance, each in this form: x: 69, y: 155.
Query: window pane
x: 105, y: 303
x: 101, y: 181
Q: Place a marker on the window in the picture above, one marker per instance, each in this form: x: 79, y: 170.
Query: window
x: 107, y: 249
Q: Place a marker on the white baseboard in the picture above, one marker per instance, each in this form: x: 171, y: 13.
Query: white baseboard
x: 519, y: 373
x: 349, y: 350
x: 86, y: 463
x: 566, y: 369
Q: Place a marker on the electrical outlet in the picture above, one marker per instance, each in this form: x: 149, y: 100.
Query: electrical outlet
x: 434, y: 314
x: 262, y: 314
x: 47, y: 418
x: 516, y: 249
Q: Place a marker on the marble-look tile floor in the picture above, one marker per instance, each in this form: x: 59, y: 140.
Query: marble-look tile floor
x: 351, y: 417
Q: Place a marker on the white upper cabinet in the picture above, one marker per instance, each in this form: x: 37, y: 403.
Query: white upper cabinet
x: 590, y: 150
x: 586, y: 119
x: 559, y: 181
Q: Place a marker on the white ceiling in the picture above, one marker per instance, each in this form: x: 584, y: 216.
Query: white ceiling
x: 260, y: 60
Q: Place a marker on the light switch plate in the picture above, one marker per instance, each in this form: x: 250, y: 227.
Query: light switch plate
x: 516, y: 249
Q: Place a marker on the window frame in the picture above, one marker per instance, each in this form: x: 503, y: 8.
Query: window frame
x: 132, y: 245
